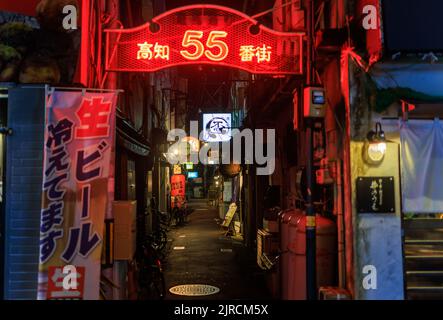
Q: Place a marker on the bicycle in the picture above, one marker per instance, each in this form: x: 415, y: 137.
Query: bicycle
x: 180, y: 212
x: 151, y: 280
x: 164, y: 219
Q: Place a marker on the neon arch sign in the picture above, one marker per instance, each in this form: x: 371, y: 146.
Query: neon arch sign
x: 204, y: 34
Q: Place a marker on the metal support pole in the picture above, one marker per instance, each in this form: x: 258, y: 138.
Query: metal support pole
x: 311, y: 276
x: 311, y: 269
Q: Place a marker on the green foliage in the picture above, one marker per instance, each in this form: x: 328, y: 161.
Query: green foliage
x: 15, y: 34
x: 8, y: 53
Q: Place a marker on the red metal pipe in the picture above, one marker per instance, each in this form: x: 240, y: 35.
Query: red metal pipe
x: 84, y: 48
x: 347, y: 181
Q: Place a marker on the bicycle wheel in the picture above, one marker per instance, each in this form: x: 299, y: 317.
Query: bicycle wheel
x: 176, y: 215
x: 160, y: 240
x: 142, y: 282
x: 182, y: 217
x: 165, y: 219
x: 158, y: 284
x: 170, y: 215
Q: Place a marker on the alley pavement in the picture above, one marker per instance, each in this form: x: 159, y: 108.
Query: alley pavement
x: 199, y: 253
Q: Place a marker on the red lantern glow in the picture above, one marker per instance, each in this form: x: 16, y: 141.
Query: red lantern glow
x: 204, y: 34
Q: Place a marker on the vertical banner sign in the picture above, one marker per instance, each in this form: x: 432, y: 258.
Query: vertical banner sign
x: 79, y: 140
x: 178, y: 190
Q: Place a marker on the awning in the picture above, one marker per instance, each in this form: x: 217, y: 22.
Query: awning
x: 425, y: 78
x: 130, y: 139
x: 413, y: 83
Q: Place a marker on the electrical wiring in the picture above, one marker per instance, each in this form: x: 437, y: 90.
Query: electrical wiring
x: 263, y: 13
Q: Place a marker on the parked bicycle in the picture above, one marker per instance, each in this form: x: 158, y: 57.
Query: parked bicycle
x: 151, y: 280
x: 180, y: 212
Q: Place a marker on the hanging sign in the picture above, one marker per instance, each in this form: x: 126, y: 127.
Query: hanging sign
x: 177, y: 169
x: 79, y: 138
x: 178, y: 190
x: 217, y: 127
x: 204, y: 34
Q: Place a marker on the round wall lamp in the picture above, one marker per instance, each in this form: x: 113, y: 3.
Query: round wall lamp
x: 375, y: 145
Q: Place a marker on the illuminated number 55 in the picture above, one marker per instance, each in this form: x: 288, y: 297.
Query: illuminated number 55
x: 212, y: 42
x: 191, y: 38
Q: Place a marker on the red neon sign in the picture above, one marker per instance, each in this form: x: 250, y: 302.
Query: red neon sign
x: 204, y: 34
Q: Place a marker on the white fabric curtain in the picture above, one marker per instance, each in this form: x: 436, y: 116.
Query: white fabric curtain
x: 422, y: 166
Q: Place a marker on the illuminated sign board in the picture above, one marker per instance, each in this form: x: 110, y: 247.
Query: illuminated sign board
x: 192, y: 174
x: 217, y: 127
x: 189, y: 165
x: 177, y: 169
x: 204, y: 34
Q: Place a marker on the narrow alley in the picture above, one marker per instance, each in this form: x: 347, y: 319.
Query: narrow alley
x: 199, y: 253
x: 222, y: 150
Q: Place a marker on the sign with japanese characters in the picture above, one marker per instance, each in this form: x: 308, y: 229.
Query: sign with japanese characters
x: 204, y: 34
x: 79, y: 138
x: 56, y: 291
x: 178, y: 190
x: 375, y: 195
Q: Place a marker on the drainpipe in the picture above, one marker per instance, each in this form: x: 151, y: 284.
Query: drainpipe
x: 84, y: 47
x: 311, y: 276
x: 113, y: 9
x: 340, y: 225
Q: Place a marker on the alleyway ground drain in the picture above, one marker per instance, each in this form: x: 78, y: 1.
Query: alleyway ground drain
x: 209, y: 258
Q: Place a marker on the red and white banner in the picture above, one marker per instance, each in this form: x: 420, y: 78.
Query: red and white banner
x: 77, y: 183
x: 178, y: 190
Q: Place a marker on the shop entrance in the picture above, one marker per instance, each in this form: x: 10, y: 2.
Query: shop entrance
x: 423, y: 249
x: 421, y: 143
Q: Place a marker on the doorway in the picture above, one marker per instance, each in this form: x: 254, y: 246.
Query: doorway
x: 422, y: 207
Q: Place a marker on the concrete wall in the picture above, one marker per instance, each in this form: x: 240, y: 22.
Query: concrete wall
x: 377, y: 237
x: 24, y: 171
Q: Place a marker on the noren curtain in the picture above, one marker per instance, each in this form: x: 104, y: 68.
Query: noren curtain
x: 422, y: 166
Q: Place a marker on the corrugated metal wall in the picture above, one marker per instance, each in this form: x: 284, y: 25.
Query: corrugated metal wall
x: 24, y: 168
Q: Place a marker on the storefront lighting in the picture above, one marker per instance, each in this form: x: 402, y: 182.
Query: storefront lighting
x: 376, y: 145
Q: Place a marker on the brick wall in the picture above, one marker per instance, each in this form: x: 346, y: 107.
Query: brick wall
x: 24, y: 167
